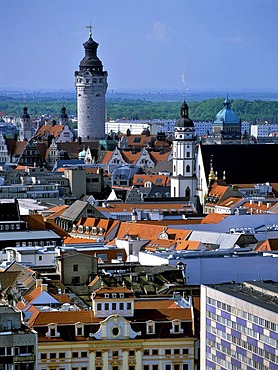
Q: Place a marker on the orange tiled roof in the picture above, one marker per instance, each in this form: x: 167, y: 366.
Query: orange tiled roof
x: 107, y: 157
x: 187, y: 245
x: 267, y: 245
x: 158, y: 180
x: 130, y: 157
x: 213, y: 218
x: 217, y: 190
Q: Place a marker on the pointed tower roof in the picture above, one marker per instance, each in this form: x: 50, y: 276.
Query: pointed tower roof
x: 184, y: 120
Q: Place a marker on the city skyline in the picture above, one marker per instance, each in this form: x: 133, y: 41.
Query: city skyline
x: 178, y: 45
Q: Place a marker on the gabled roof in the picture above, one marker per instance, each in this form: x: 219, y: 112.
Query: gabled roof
x: 267, y: 245
x: 213, y: 218
x: 74, y: 211
x: 189, y: 245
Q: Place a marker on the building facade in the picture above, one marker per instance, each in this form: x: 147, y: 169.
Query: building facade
x: 239, y: 327
x: 91, y: 86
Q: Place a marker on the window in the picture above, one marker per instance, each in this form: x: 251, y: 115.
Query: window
x: 79, y: 330
x: 128, y: 306
x: 84, y: 354
x: 43, y: 356
x: 131, y: 353
x: 167, y: 352
x: 52, y: 356
x: 106, y: 306
x: 155, y: 367
x: 115, y: 353
x: 150, y: 327
x: 113, y: 306
x: 62, y: 355
x: 84, y: 368
x: 185, y: 351
x: 188, y: 168
x: 146, y: 367
x: 74, y: 354
x: 176, y: 367
x: 176, y: 351
x: 121, y: 306
x: 155, y: 352
x: 185, y: 367
x: 75, y: 267
x: 146, y: 352
x: 98, y: 368
x: 99, y: 306
x: 98, y: 354
x: 131, y: 367
x: 167, y: 367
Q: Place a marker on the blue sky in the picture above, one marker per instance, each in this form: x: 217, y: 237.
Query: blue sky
x: 143, y: 44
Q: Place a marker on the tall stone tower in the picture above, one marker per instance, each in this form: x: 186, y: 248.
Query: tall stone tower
x: 25, y: 131
x: 183, y: 181
x: 91, y: 86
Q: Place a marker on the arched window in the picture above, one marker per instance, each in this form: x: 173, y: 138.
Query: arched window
x: 188, y: 168
x: 187, y: 192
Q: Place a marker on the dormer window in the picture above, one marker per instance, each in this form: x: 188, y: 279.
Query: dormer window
x: 121, y: 295
x: 74, y: 228
x: 176, y: 327
x: 150, y: 329
x: 79, y: 329
x: 87, y: 229
x: 106, y: 295
x: 94, y: 230
x: 80, y: 229
x: 114, y: 295
x: 52, y: 331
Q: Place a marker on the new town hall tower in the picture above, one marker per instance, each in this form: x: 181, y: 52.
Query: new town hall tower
x: 91, y: 86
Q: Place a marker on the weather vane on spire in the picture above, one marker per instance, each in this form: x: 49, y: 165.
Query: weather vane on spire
x: 90, y: 27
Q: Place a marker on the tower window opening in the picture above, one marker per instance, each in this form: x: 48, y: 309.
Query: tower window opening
x: 188, y: 168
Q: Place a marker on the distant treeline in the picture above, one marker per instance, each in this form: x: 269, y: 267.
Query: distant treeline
x: 247, y: 110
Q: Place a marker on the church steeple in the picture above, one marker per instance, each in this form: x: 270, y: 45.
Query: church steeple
x: 183, y: 181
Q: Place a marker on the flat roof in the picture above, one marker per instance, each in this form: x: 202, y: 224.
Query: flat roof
x: 262, y: 294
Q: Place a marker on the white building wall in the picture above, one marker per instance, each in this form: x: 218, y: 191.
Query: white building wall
x: 216, y: 270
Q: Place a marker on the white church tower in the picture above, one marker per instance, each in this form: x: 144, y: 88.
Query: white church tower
x: 25, y: 131
x: 183, y: 181
x: 91, y: 86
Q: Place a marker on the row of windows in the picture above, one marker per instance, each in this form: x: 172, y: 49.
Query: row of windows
x: 10, y: 227
x: 243, y: 314
x: 150, y: 352
x: 114, y: 306
x: 259, y: 351
x: 252, y: 363
x: 19, y: 350
x: 62, y: 355
x: 232, y: 324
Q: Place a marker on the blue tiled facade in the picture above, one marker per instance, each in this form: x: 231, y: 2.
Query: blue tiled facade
x: 239, y: 340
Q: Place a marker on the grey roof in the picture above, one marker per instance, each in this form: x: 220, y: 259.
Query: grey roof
x: 27, y: 235
x: 44, y: 299
x: 250, y: 295
x: 163, y: 166
x: 224, y: 241
x: 73, y: 212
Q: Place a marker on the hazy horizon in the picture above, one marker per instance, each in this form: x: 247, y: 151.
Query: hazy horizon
x: 183, y: 45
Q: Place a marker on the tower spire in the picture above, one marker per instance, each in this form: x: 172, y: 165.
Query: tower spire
x: 90, y: 33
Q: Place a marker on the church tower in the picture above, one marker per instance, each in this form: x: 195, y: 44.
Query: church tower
x: 25, y: 131
x: 183, y: 181
x: 91, y: 86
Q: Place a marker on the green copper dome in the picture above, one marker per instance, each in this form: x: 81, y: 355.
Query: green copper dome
x: 226, y: 114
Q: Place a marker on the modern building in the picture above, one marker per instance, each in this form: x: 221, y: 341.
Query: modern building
x: 239, y: 326
x: 18, y: 343
x: 91, y: 86
x: 183, y: 181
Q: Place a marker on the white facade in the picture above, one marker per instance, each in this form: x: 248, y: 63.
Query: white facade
x: 183, y: 181
x: 217, y: 268
x: 263, y: 130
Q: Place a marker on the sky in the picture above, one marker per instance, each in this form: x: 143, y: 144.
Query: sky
x: 143, y: 44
